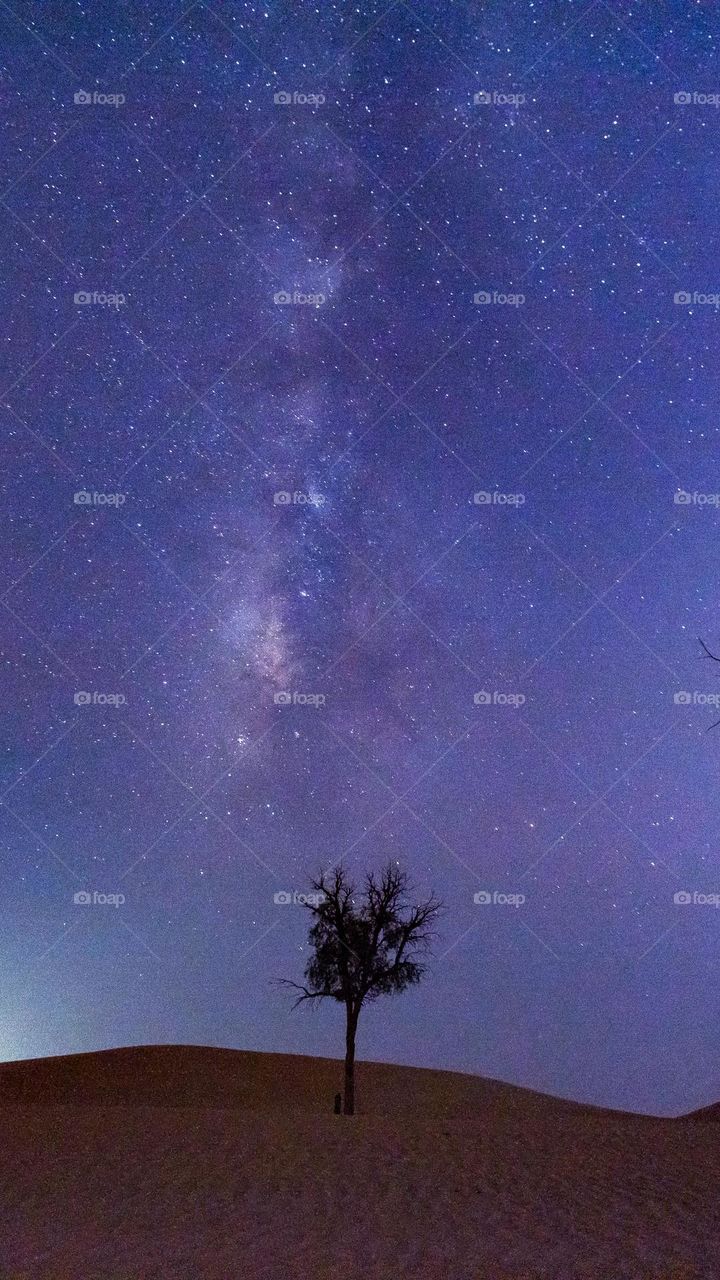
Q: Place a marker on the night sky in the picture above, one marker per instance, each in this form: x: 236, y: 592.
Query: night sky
x: 254, y: 617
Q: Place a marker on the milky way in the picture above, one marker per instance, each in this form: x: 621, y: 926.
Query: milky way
x: 360, y: 483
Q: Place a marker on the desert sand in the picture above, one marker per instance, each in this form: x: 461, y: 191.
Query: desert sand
x: 186, y: 1163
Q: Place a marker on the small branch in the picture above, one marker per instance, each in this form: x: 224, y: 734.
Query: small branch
x: 709, y: 654
x: 305, y: 994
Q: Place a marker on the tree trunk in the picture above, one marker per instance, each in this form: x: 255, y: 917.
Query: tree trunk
x: 349, y: 1091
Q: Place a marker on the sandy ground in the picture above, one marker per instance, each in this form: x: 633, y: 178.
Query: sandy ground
x: 277, y: 1189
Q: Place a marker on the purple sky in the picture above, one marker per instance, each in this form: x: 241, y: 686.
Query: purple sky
x: 246, y: 528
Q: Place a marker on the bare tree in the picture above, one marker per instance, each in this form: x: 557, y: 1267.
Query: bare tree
x: 715, y: 659
x: 364, y: 946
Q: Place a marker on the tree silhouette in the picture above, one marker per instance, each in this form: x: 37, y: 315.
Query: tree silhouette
x: 364, y: 946
x: 715, y: 659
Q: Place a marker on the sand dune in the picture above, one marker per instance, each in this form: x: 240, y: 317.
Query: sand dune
x: 192, y: 1075
x: 207, y: 1164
